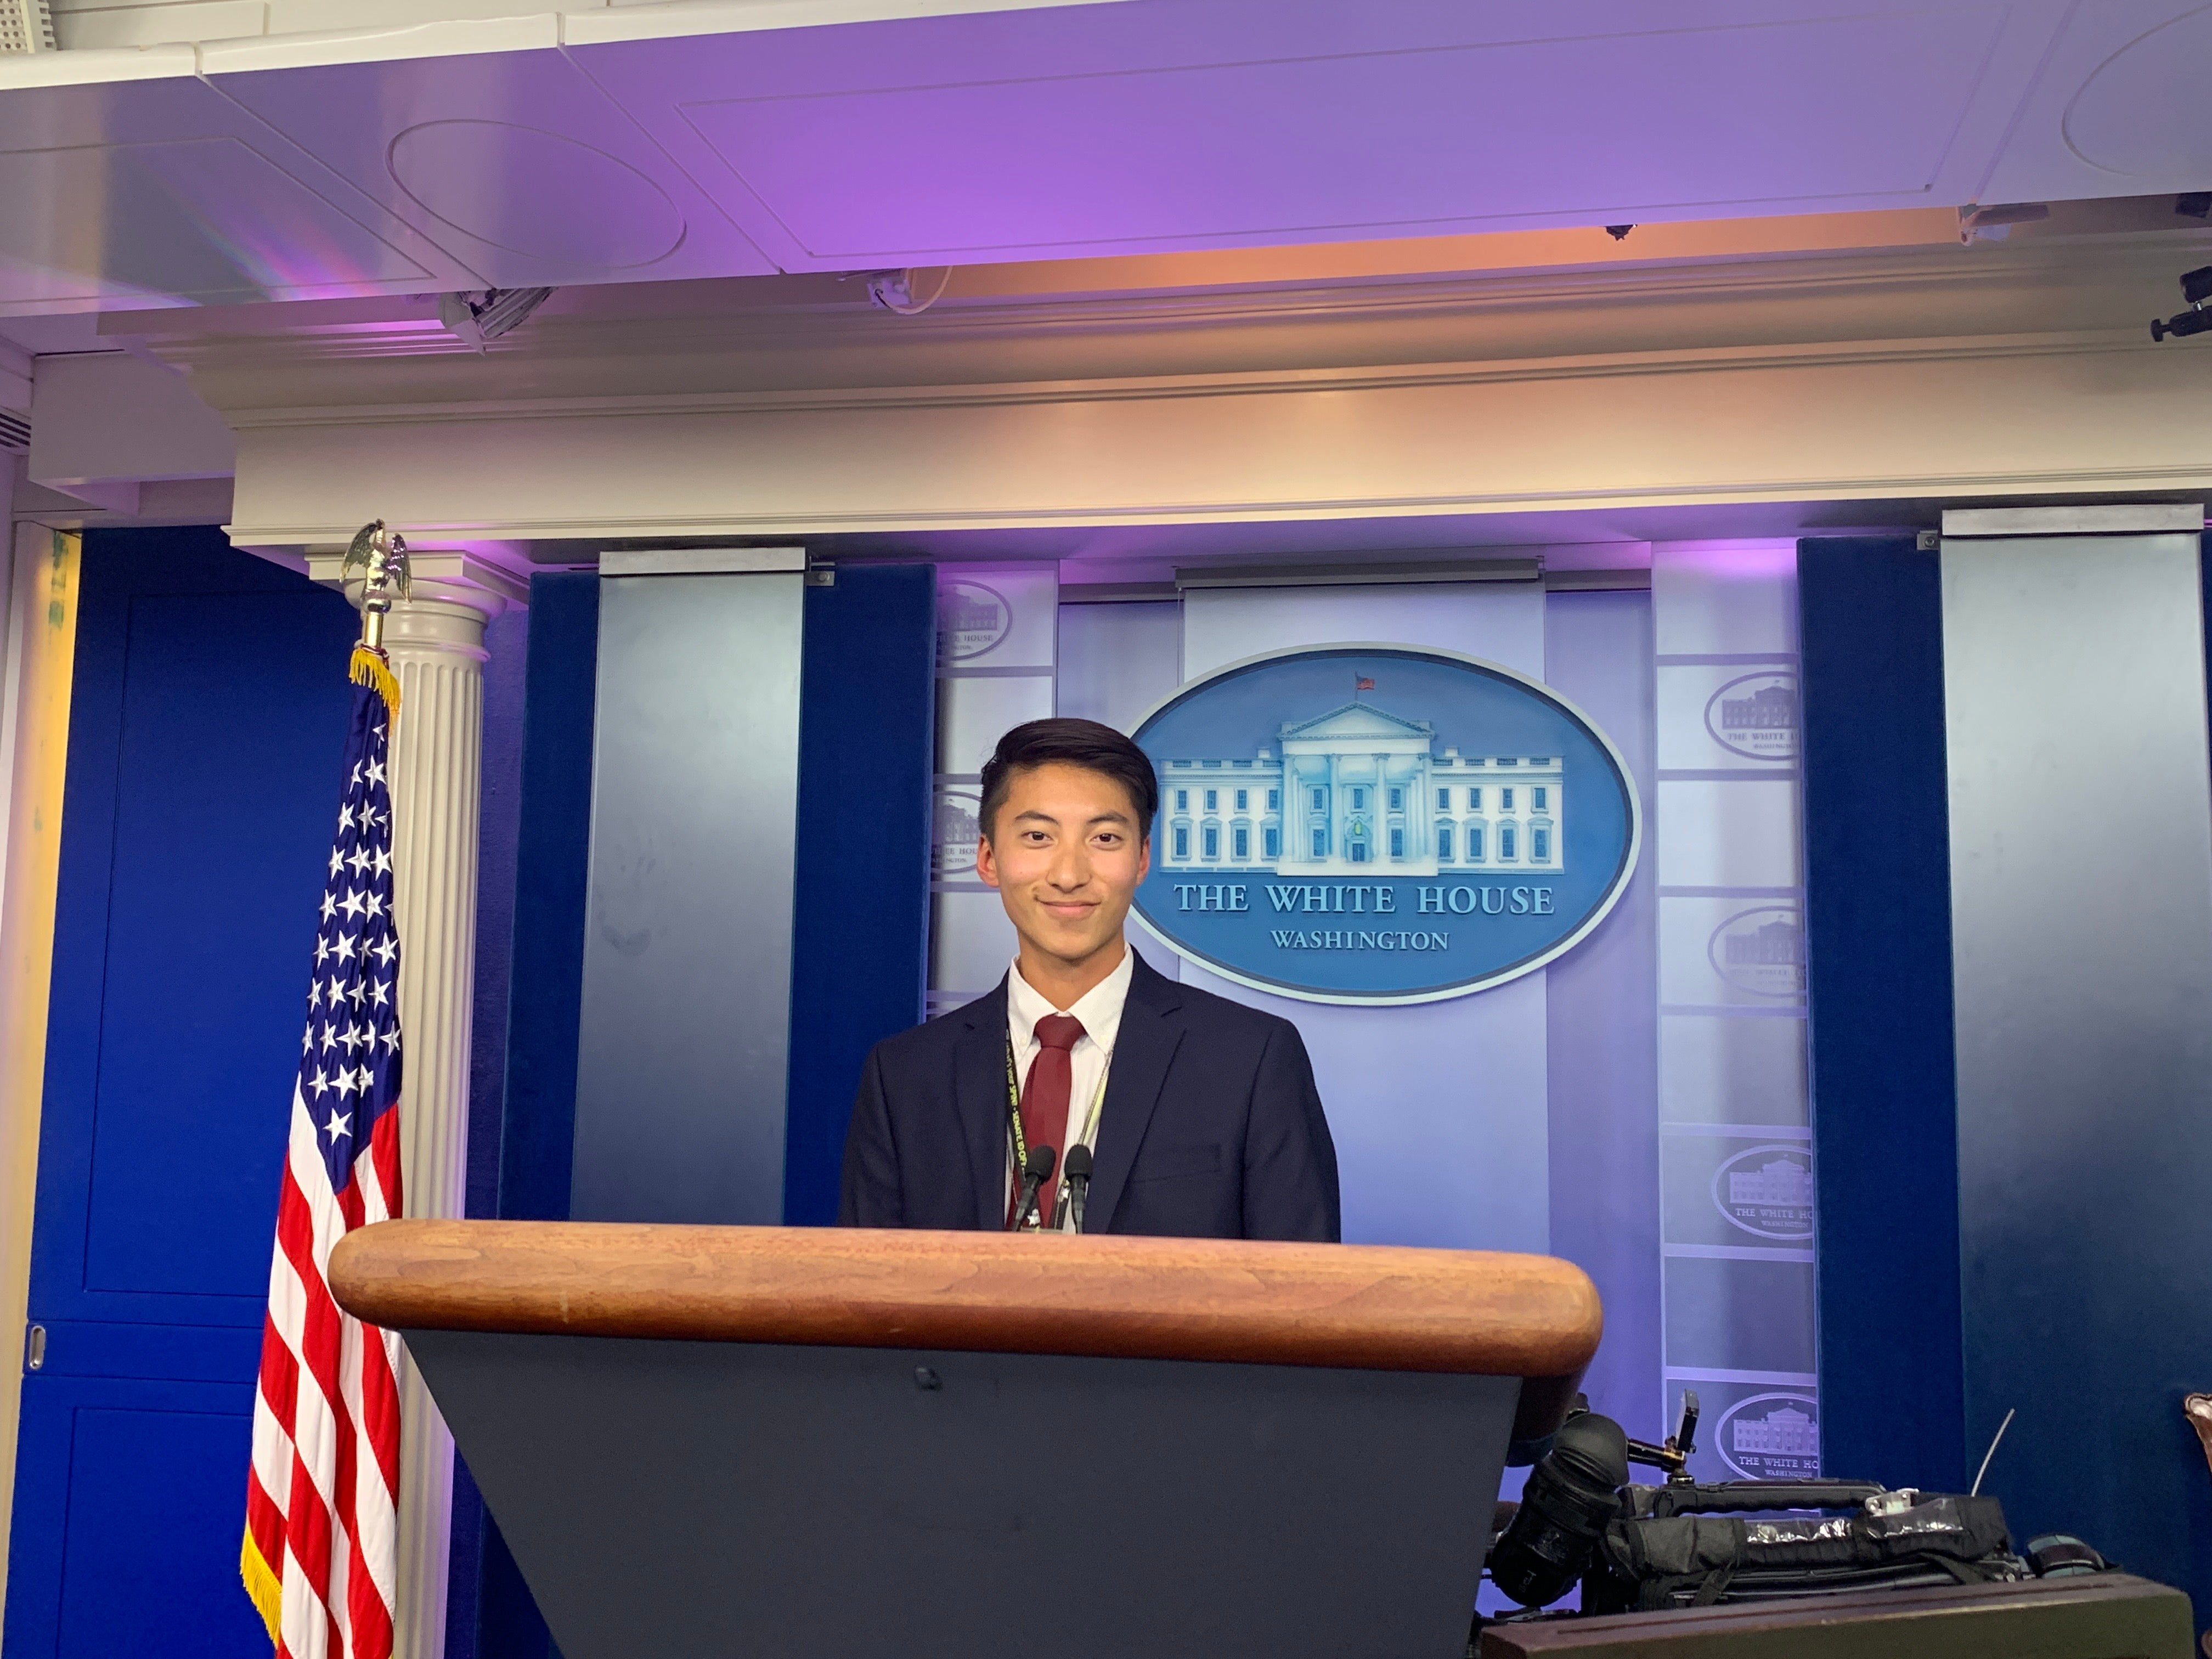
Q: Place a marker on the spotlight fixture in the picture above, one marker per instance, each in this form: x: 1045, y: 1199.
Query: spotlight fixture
x: 479, y: 317
x: 1619, y: 232
x: 2196, y: 289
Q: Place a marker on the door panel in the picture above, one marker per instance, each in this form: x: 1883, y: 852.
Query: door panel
x: 207, y: 719
x: 141, y: 1561
x: 189, y: 871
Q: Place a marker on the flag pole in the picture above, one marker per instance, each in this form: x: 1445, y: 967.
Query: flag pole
x: 322, y: 1485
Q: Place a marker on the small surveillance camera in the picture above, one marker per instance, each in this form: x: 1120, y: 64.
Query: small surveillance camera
x: 2196, y: 289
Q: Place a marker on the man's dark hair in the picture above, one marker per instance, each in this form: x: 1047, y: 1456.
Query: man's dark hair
x: 1086, y: 744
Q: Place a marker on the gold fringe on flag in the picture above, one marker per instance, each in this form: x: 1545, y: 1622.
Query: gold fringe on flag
x: 261, y: 1583
x: 371, y: 667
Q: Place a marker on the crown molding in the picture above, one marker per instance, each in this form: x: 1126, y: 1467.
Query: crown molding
x: 1934, y: 304
x: 2100, y: 342
x: 178, y: 335
x: 1716, y: 491
x: 1939, y: 374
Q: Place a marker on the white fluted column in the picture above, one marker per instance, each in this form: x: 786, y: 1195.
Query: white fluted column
x: 435, y: 642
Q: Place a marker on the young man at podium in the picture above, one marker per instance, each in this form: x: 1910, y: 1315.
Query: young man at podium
x: 1087, y: 1093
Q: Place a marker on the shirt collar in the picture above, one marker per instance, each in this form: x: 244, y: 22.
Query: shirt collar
x: 1099, y: 1008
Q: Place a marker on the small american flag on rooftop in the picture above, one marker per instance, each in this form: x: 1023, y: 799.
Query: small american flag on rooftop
x: 320, y: 1552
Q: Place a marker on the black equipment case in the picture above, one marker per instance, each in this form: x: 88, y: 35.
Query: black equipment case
x: 1687, y: 1543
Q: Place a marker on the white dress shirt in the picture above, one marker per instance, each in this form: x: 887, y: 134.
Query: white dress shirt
x: 1099, y: 1009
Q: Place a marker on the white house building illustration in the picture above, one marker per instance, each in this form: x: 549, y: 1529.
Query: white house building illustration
x: 1782, y: 1183
x: 1358, y: 788
x: 1785, y: 1431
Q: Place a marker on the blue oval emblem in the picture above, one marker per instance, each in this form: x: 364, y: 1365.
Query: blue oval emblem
x: 1380, y: 823
x: 1771, y: 1436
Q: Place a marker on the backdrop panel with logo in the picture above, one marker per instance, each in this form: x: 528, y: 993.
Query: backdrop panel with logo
x: 1392, y: 814
x: 1735, y: 1161
x: 996, y: 644
x: 1438, y: 1108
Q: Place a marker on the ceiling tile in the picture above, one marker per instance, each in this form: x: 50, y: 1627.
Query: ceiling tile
x: 203, y: 219
x: 2120, y: 109
x: 1106, y: 129
x: 159, y: 190
x: 514, y: 161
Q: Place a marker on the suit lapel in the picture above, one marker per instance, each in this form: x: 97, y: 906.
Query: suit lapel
x: 979, y: 1085
x: 1151, y: 1031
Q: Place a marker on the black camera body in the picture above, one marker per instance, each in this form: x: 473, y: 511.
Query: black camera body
x: 2196, y: 290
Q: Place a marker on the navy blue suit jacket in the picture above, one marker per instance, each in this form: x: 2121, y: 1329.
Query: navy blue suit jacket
x: 1211, y: 1128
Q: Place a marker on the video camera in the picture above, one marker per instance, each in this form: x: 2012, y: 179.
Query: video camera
x: 1642, y: 1548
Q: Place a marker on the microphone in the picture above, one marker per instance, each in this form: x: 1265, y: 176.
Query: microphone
x: 1079, y: 1181
x: 1042, y: 1159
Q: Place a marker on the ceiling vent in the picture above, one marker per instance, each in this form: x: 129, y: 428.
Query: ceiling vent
x: 26, y: 26
x: 15, y: 429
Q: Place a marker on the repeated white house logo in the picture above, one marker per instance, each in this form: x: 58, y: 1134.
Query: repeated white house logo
x: 1755, y: 716
x: 1771, y: 1436
x: 1761, y: 951
x: 1767, y: 1191
x: 1380, y: 823
x: 957, y: 831
x: 971, y: 618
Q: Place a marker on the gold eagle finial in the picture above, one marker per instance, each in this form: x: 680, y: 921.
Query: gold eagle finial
x: 381, y: 555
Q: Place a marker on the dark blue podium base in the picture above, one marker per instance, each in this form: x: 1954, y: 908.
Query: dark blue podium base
x: 701, y: 1500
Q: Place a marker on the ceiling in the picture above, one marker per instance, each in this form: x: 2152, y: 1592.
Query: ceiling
x: 685, y: 141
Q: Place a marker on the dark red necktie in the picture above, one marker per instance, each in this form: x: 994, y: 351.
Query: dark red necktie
x: 1044, y: 1101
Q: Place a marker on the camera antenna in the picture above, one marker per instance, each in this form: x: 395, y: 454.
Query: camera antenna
x: 1975, y: 1492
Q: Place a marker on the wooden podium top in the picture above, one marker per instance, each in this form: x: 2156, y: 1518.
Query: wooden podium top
x: 1354, y: 1306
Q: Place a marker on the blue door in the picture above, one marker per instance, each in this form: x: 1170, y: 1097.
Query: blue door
x: 206, y: 722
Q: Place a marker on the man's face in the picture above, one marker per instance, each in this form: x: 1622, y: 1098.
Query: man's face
x: 1065, y: 854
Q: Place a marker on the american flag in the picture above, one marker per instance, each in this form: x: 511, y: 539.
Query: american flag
x: 320, y: 1553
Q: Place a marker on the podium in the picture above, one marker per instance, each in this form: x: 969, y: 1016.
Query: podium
x: 750, y: 1442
